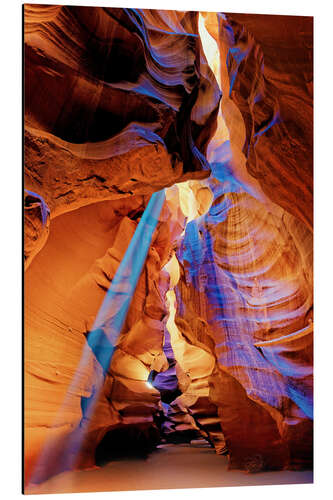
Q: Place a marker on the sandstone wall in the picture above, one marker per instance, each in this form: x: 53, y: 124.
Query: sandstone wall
x: 228, y: 276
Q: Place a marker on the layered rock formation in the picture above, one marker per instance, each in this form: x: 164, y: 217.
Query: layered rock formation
x: 272, y: 85
x: 242, y: 273
x: 217, y: 340
x: 121, y: 396
x: 245, y: 270
x: 96, y: 129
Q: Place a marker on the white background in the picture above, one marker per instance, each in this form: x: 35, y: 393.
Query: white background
x: 11, y: 227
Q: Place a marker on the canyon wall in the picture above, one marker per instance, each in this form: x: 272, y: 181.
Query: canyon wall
x: 222, y: 313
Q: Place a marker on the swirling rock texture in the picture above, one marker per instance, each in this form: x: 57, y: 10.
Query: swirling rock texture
x: 217, y: 341
x: 108, y: 106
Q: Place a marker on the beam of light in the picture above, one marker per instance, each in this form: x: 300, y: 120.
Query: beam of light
x: 113, y: 312
x: 103, y: 337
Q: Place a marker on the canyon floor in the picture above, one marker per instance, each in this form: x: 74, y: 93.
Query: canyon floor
x: 170, y: 466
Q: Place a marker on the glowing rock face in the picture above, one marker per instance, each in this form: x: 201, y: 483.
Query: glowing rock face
x: 243, y: 274
x: 222, y: 311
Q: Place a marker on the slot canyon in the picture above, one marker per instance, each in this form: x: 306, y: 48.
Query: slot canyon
x: 168, y: 248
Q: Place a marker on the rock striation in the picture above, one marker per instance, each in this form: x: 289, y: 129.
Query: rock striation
x: 242, y: 274
x: 98, y: 130
x: 217, y: 342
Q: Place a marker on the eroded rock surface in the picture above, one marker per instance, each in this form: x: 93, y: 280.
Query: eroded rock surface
x: 242, y: 273
x: 217, y: 341
x: 97, y: 129
x: 272, y: 85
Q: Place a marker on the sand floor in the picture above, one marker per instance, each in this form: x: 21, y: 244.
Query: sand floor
x: 170, y: 466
